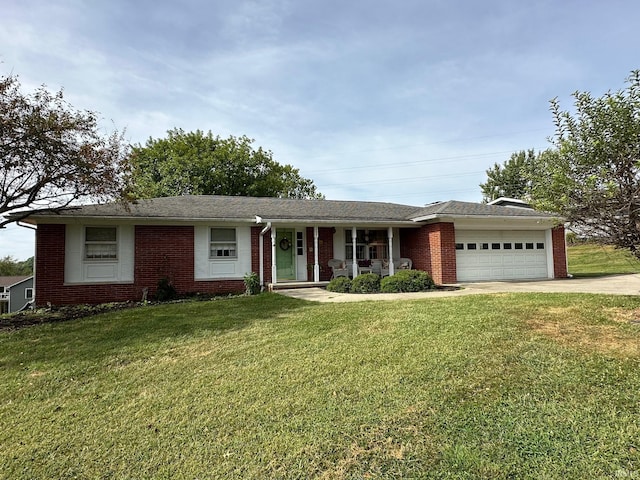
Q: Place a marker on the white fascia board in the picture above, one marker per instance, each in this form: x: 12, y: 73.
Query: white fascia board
x: 504, y: 223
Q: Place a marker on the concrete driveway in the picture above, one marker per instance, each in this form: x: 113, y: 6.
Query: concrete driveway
x: 612, y: 285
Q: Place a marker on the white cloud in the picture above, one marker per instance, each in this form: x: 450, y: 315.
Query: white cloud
x: 377, y: 100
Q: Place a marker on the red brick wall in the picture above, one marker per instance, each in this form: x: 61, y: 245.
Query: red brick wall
x: 167, y: 252
x: 414, y: 244
x: 171, y: 257
x: 559, y: 252
x: 432, y: 249
x: 49, y: 264
x: 164, y: 252
x: 442, y: 238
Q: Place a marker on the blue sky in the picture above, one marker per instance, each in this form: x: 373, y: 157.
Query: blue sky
x: 397, y: 101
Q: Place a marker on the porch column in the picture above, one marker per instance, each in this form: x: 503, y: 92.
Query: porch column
x: 354, y: 238
x: 316, y: 265
x: 391, y: 266
x: 274, y: 273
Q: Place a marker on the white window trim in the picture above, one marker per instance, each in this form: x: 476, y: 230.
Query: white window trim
x: 26, y: 290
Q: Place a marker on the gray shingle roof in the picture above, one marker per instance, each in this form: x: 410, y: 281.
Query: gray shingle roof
x: 213, y: 207
x: 455, y: 208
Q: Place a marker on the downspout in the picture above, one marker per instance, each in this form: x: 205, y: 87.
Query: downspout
x: 261, y: 250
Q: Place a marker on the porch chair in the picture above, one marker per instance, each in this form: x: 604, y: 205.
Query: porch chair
x: 338, y: 268
x: 399, y: 264
x: 403, y: 264
x: 376, y: 266
x: 384, y: 270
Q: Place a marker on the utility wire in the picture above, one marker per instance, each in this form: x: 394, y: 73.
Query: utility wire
x: 416, y: 162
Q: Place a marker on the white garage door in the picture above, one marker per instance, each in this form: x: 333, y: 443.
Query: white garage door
x: 497, y: 255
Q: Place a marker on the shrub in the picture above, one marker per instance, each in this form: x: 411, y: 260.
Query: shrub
x: 407, y: 281
x: 339, y: 285
x: 252, y: 283
x: 165, y: 291
x: 366, y: 283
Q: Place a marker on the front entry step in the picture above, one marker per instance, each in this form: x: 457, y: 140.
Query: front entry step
x: 289, y: 285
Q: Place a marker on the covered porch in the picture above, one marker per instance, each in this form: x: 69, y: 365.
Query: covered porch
x: 299, y: 255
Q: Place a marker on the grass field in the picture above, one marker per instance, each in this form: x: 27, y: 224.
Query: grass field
x: 592, y: 260
x: 500, y: 386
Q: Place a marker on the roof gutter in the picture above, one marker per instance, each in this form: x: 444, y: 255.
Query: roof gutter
x: 162, y: 220
x: 30, y: 227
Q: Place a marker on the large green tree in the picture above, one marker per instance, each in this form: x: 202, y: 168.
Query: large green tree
x: 592, y: 176
x: 11, y: 267
x: 200, y: 164
x: 53, y: 156
x: 511, y: 179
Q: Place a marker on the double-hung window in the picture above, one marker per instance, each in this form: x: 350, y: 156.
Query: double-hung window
x: 223, y: 243
x: 101, y: 243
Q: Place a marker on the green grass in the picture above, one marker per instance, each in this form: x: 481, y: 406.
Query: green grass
x: 592, y: 260
x: 501, y: 386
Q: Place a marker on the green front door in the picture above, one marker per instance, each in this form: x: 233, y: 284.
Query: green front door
x: 285, y: 251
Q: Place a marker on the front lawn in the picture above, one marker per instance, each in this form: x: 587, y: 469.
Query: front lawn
x: 499, y: 386
x: 592, y: 260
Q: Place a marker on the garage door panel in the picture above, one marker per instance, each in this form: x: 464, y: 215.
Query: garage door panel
x: 511, y: 261
x: 508, y: 259
x: 486, y: 260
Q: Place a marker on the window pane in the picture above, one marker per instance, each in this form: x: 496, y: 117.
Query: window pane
x: 518, y: 246
x: 100, y: 234
x: 223, y: 234
x: 221, y: 250
x: 101, y: 250
x: 495, y: 246
x: 484, y: 246
x: 529, y: 246
x: 459, y: 246
x: 540, y: 246
x: 471, y: 246
x: 507, y: 246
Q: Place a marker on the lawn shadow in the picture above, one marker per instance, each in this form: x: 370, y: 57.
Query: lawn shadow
x: 95, y: 337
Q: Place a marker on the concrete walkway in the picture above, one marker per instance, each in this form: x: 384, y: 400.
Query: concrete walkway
x: 613, y: 285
